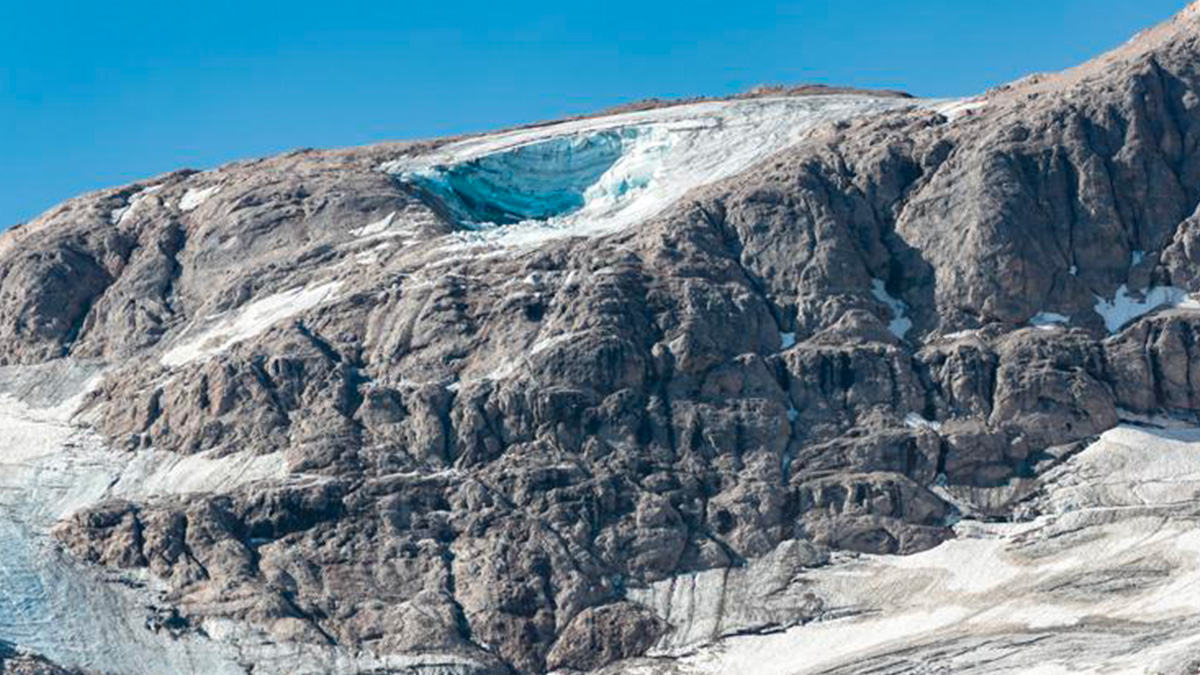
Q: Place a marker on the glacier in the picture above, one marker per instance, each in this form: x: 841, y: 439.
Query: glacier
x: 598, y: 175
x: 541, y: 180
x: 51, y: 466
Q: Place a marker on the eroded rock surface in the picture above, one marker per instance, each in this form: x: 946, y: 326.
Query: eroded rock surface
x: 1095, y: 578
x: 346, y: 424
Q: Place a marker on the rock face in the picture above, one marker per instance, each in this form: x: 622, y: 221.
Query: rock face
x: 506, y: 447
x: 1094, y: 583
x: 599, y: 636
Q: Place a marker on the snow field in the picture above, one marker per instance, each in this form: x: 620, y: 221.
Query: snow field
x: 599, y: 175
x: 248, y: 321
x: 1113, y: 558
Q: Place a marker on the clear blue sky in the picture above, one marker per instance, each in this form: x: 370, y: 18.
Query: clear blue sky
x: 94, y: 94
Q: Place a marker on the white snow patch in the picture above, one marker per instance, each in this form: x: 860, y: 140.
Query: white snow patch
x: 819, y: 646
x: 249, y: 321
x: 119, y: 215
x: 376, y: 228
x: 43, y: 441
x: 509, y: 366
x: 372, y: 256
x: 960, y: 334
x: 154, y: 473
x: 1126, y: 307
x: 953, y: 110
x: 553, y: 341
x: 1131, y: 466
x: 980, y: 603
x: 662, y: 155
x: 1137, y: 258
x: 917, y: 421
x: 787, y: 340
x: 900, y: 323
x: 505, y: 370
x: 194, y: 197
x: 1074, y: 271
x: 48, y: 470
x: 1049, y: 320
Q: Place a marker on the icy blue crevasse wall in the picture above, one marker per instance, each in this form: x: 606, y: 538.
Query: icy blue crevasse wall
x: 530, y: 182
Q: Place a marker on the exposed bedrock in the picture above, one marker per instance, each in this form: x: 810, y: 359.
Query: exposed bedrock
x: 521, y: 455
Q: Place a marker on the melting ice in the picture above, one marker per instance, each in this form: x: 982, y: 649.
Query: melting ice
x: 541, y: 180
x: 602, y: 174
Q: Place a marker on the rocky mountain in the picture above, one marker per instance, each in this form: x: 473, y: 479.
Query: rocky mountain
x: 794, y: 382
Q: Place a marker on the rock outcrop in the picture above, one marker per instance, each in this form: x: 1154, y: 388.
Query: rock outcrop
x: 516, y: 444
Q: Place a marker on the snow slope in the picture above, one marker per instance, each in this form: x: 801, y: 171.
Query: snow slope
x: 246, y: 322
x: 1126, y: 306
x: 195, y: 197
x: 51, y: 466
x: 900, y: 324
x: 1105, y: 580
x: 48, y: 469
x: 598, y: 175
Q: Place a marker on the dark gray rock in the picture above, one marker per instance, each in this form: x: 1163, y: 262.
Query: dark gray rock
x: 492, y: 453
x: 598, y: 636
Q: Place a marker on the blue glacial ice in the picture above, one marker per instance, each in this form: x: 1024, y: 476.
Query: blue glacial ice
x: 593, y: 176
x: 530, y: 182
